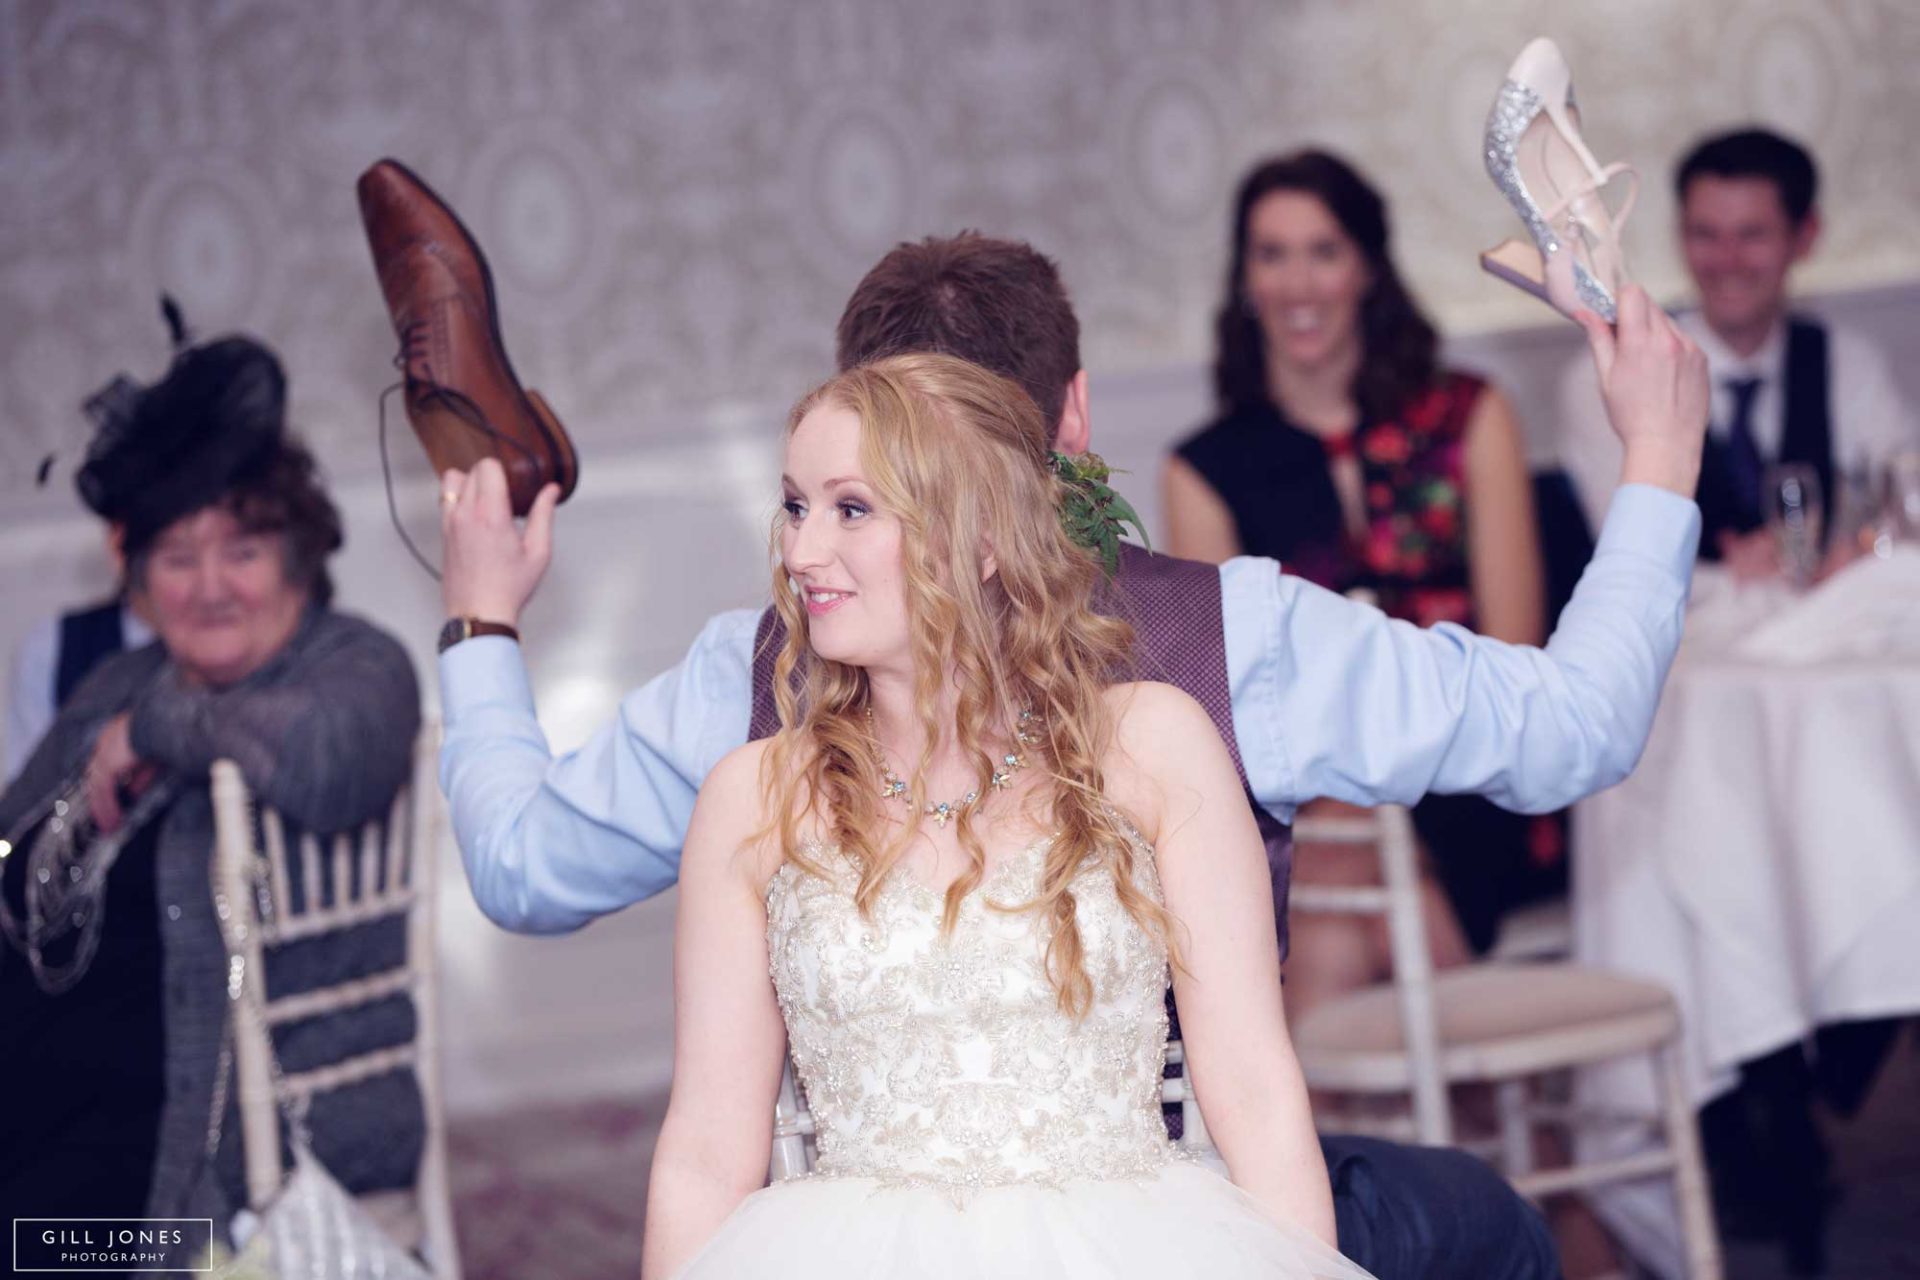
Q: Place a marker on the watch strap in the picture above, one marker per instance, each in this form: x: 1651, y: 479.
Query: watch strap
x: 458, y: 629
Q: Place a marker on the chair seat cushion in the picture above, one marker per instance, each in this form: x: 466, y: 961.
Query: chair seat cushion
x: 1496, y: 1021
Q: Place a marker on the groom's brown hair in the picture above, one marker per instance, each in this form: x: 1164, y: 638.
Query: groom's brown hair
x: 996, y: 303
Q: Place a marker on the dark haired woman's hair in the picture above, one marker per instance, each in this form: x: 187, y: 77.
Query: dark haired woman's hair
x: 282, y: 496
x: 1399, y: 347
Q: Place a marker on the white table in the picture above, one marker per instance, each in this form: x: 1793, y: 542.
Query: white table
x: 1763, y: 862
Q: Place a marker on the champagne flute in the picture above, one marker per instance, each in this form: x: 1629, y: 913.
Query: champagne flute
x: 1794, y: 514
x: 1902, y: 496
x: 1856, y: 515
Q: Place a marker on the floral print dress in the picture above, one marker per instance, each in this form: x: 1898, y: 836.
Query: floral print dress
x: 1411, y: 551
x: 1277, y: 480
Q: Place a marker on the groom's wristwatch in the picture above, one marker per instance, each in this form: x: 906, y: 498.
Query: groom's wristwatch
x: 458, y: 629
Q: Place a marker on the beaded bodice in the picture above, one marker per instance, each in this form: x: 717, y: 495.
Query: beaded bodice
x: 947, y: 1061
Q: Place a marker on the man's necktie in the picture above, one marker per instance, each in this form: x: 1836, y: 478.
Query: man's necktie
x: 1743, y: 455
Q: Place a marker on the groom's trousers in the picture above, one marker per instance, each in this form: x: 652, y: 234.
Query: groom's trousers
x: 1431, y: 1213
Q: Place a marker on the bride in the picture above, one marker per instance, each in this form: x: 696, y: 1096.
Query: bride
x: 970, y: 862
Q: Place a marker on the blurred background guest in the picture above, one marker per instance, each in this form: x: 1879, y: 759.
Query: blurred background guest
x: 60, y: 652
x: 1343, y: 449
x: 115, y: 999
x: 63, y: 649
x: 1787, y: 387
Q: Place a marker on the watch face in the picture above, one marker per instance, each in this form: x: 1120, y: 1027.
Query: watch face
x: 453, y: 633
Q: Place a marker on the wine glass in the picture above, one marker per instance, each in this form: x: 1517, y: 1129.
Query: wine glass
x: 1902, y: 496
x: 1856, y: 514
x: 1794, y: 514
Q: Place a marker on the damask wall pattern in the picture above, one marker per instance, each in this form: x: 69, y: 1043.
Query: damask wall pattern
x: 678, y: 194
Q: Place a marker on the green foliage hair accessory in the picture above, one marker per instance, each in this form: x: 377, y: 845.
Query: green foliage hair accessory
x: 1094, y: 515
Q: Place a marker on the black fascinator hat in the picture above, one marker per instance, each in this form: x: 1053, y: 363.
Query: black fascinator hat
x: 168, y: 449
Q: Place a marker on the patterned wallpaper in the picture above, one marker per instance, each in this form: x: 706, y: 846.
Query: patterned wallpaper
x: 679, y: 194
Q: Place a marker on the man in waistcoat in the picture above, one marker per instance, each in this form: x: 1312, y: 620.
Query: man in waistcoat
x: 1787, y: 386
x: 59, y: 653
x: 1315, y: 695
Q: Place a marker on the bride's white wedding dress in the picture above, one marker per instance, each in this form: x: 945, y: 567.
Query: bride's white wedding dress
x: 967, y: 1127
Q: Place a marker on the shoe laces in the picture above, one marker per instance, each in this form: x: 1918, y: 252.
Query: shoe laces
x: 414, y: 346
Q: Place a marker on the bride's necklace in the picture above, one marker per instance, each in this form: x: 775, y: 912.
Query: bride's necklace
x: 894, y: 787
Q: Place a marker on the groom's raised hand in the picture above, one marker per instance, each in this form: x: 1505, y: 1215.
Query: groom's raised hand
x: 1654, y: 381
x: 492, y: 563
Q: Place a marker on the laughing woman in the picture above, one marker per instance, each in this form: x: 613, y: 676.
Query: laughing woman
x: 1344, y: 450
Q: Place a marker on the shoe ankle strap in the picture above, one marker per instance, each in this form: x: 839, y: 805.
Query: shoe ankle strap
x: 1615, y: 220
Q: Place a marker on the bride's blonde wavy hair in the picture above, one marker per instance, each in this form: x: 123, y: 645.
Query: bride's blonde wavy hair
x: 958, y: 455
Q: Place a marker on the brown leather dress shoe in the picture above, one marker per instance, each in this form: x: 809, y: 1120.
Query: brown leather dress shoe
x: 461, y: 394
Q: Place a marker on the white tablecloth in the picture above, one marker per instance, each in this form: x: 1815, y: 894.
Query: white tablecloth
x: 1763, y: 862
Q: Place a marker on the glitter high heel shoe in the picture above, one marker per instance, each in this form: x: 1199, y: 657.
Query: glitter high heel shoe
x: 1536, y: 156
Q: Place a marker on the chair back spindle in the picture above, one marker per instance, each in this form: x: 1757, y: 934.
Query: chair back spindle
x: 378, y: 871
x: 1516, y: 1027
x: 1389, y: 831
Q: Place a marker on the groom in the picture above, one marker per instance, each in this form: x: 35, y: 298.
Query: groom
x: 1317, y: 696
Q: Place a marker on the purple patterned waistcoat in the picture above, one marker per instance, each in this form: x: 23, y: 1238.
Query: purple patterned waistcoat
x: 1180, y: 639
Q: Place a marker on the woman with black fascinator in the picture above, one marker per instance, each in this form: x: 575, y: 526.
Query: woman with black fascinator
x: 113, y: 995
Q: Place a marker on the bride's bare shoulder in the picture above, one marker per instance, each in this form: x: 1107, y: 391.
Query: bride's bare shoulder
x: 1146, y: 712
x: 733, y: 817
x: 738, y: 777
x: 1158, y: 730
x: 736, y: 810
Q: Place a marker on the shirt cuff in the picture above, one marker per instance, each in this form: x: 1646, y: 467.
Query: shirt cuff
x: 483, y: 671
x: 1655, y: 524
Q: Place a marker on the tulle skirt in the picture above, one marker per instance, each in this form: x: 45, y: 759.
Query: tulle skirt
x: 1184, y: 1221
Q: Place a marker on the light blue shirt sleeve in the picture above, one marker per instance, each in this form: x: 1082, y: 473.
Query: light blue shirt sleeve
x: 550, y: 844
x: 30, y: 706
x: 1332, y: 698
